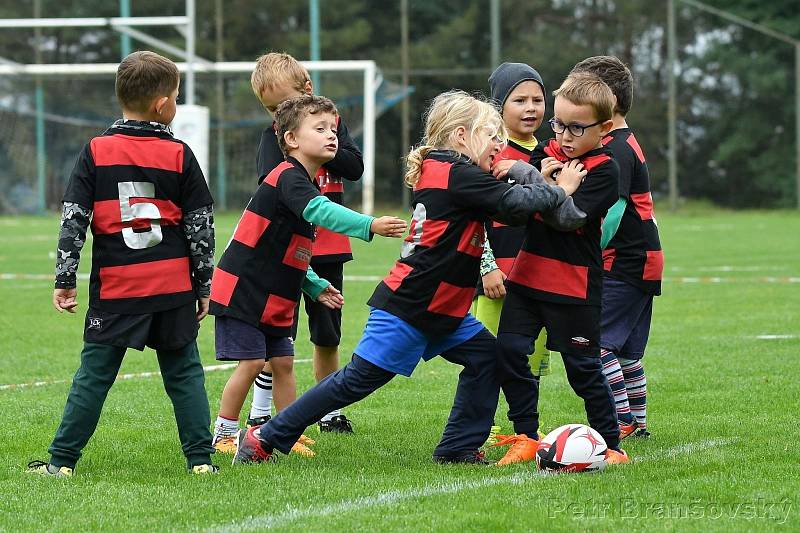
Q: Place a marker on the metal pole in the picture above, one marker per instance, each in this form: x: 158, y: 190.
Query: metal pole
x: 222, y: 186
x: 124, y: 40
x: 797, y: 117
x: 190, y: 14
x: 672, y: 112
x: 41, y: 156
x: 313, y: 7
x: 494, y: 8
x: 368, y: 191
x: 405, y: 106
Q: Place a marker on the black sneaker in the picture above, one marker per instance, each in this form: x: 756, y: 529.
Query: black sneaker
x: 642, y: 434
x: 250, y: 450
x: 470, y: 458
x: 258, y: 421
x: 337, y: 424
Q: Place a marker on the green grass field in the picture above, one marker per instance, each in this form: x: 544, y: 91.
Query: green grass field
x: 723, y: 407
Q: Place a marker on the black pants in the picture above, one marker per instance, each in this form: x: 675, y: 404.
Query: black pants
x: 521, y: 389
x: 470, y: 417
x: 184, y: 382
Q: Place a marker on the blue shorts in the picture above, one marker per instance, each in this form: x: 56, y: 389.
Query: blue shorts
x: 236, y: 340
x: 625, y: 318
x: 395, y: 345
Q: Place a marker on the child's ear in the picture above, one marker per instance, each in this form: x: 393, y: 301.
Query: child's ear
x: 308, y: 88
x: 290, y: 140
x: 160, y: 103
x: 605, y: 127
x: 460, y: 135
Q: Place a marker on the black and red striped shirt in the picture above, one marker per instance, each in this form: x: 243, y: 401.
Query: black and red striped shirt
x: 138, y: 183
x: 432, y: 284
x: 329, y: 246
x: 260, y: 274
x: 634, y: 253
x: 566, y: 266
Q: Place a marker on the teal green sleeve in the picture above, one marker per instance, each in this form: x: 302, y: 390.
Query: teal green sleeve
x: 320, y: 211
x: 611, y: 222
x: 313, y: 285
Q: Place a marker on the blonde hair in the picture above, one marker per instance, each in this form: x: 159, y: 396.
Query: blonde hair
x: 448, y: 112
x: 277, y: 68
x: 584, y: 88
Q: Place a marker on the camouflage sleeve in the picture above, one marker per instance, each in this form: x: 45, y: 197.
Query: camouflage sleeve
x: 488, y: 263
x: 71, y: 238
x: 198, y: 226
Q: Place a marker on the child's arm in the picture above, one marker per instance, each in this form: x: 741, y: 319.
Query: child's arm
x: 75, y: 220
x: 198, y: 227
x: 323, y: 212
x: 492, y: 277
x: 611, y: 222
x: 321, y: 290
x: 348, y: 163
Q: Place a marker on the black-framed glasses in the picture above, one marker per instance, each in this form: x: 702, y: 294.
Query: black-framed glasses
x: 576, y: 130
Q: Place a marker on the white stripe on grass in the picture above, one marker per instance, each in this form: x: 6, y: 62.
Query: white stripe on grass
x: 122, y: 377
x: 362, y: 503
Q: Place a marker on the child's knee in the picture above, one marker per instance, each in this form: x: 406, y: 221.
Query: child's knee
x: 250, y: 366
x: 282, y: 366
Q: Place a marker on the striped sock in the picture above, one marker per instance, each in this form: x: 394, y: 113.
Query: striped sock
x: 613, y: 373
x: 262, y: 396
x: 636, y: 383
x: 225, y: 427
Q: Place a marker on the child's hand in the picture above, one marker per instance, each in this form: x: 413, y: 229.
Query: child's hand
x: 202, y: 308
x: 493, y: 286
x: 331, y: 297
x: 571, y: 176
x: 500, y: 168
x: 549, y: 166
x: 388, y: 226
x: 65, y: 300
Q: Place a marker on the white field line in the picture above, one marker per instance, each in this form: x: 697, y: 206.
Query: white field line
x: 9, y: 276
x: 122, y: 377
x: 773, y: 337
x: 362, y: 503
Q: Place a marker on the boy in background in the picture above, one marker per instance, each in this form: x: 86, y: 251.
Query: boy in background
x: 276, y: 78
x: 153, y: 255
x: 556, y: 280
x: 633, y: 261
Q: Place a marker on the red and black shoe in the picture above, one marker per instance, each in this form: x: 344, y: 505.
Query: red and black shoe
x: 250, y: 450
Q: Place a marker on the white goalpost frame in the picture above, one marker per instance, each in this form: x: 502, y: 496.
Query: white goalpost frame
x: 367, y: 67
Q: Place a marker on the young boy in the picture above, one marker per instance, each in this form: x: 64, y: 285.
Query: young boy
x: 258, y: 281
x: 556, y: 280
x: 277, y: 77
x: 153, y: 253
x: 632, y: 258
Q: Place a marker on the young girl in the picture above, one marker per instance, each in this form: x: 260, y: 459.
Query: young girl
x: 420, y: 309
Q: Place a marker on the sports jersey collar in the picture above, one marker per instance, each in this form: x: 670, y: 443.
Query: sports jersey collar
x: 141, y: 126
x: 299, y: 165
x: 449, y: 155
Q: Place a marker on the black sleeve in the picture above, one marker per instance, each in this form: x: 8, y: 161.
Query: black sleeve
x: 626, y: 160
x: 269, y: 153
x: 348, y: 163
x: 537, y: 155
x: 472, y: 187
x: 599, y: 190
x: 194, y: 189
x: 80, y: 187
x: 296, y: 191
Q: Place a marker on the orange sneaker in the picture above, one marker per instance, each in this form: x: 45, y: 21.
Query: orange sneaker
x: 306, y: 440
x: 301, y: 449
x: 614, y: 457
x: 523, y: 448
x: 626, y: 430
x: 225, y: 444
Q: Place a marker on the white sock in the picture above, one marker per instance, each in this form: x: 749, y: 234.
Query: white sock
x: 262, y: 396
x: 225, y: 427
x: 330, y: 415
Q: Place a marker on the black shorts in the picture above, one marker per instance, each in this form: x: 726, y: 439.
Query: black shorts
x: 570, y: 328
x: 236, y: 340
x: 165, y: 330
x: 324, y: 323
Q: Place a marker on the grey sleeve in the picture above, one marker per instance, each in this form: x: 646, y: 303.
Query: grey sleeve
x: 521, y: 201
x: 566, y: 217
x: 75, y: 221
x: 522, y: 173
x: 198, y: 226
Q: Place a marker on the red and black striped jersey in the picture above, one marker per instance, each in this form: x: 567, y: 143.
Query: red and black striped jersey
x: 566, y: 266
x: 138, y: 183
x: 329, y: 247
x: 432, y: 284
x: 506, y: 240
x: 260, y: 274
x: 634, y: 254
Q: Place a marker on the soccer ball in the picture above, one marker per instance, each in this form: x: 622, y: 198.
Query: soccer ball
x: 572, y: 448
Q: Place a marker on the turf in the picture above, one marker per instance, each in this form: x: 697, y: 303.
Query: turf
x: 722, y: 409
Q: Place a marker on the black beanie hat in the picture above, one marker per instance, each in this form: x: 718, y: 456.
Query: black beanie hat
x: 507, y: 76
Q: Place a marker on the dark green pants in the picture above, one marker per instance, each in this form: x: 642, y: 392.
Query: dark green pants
x: 184, y: 382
